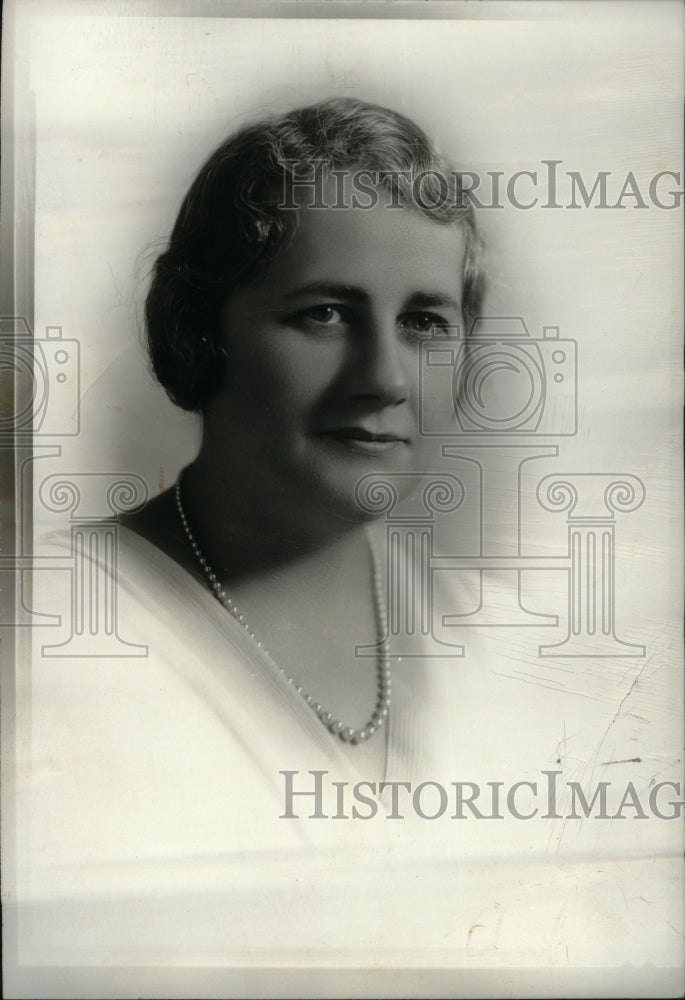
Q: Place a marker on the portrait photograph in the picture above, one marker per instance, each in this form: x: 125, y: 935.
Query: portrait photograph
x: 341, y: 574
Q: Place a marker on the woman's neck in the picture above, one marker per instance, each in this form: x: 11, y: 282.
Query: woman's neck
x: 246, y: 534
x: 312, y: 605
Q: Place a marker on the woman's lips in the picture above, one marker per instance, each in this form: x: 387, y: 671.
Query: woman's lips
x: 365, y: 441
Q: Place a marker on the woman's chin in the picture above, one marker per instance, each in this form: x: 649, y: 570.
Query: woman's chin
x: 372, y: 495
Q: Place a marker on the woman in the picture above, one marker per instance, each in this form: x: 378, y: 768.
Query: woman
x: 295, y: 331
x: 269, y: 691
x: 180, y: 810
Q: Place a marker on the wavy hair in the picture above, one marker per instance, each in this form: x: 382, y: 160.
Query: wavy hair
x: 230, y: 226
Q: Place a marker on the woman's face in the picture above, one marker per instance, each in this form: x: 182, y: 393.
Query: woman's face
x: 323, y: 356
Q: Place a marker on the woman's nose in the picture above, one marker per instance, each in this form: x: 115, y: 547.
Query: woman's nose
x: 379, y: 370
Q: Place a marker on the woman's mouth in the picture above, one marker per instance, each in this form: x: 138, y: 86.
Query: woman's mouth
x: 364, y: 441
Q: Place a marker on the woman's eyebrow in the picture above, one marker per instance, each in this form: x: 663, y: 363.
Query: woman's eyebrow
x: 352, y: 293
x: 428, y: 300
x: 330, y: 289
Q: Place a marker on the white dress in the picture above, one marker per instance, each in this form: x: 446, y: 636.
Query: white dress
x: 150, y: 833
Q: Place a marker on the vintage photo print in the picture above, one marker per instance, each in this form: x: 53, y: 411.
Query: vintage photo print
x: 341, y: 571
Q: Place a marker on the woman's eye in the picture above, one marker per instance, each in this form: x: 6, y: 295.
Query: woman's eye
x: 323, y: 315
x: 423, y: 324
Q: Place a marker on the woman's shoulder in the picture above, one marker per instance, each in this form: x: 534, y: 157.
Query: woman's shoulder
x: 158, y: 522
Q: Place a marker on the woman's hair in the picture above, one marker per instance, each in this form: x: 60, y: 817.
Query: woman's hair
x: 230, y: 226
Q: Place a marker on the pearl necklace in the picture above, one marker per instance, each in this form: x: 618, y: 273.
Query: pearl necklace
x: 382, y: 706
